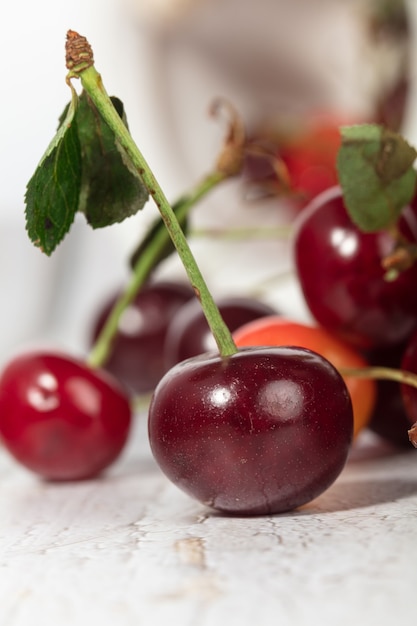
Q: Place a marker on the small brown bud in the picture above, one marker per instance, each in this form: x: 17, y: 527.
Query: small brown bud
x: 78, y: 52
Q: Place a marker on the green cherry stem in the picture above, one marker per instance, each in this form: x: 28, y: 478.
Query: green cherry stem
x: 80, y: 63
x: 143, y: 267
x: 381, y: 373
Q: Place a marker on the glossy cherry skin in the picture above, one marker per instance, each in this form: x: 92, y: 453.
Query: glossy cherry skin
x: 137, y: 356
x: 189, y: 333
x: 61, y: 419
x: 275, y: 330
x: 263, y: 431
x: 341, y: 277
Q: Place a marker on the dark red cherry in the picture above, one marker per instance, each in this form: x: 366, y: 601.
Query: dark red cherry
x: 137, y: 357
x: 408, y: 392
x: 389, y: 418
x: 189, y: 333
x: 342, y: 279
x: 61, y: 419
x: 263, y: 431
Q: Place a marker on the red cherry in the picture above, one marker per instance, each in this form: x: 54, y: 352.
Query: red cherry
x: 389, y: 418
x: 61, y: 419
x: 277, y: 331
x: 189, y: 333
x: 263, y: 431
x: 310, y: 158
x: 341, y: 275
x: 136, y: 357
x: 408, y: 392
x: 300, y: 162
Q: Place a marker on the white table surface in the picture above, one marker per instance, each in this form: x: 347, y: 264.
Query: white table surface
x: 131, y: 549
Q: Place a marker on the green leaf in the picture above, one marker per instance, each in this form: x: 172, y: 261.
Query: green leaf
x: 112, y: 189
x: 52, y: 194
x: 376, y: 173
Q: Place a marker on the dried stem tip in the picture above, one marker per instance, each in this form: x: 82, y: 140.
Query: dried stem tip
x: 78, y: 52
x: 230, y: 160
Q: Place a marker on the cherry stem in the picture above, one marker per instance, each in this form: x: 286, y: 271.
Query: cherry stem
x: 93, y: 85
x: 386, y: 373
x: 381, y: 373
x: 142, y: 269
x: 237, y: 234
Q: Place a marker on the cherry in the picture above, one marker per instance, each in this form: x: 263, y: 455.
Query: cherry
x: 61, y: 419
x: 263, y: 431
x: 136, y: 356
x: 342, y: 279
x: 189, y: 333
x: 275, y: 331
x: 310, y: 158
x: 301, y: 162
x: 389, y: 418
x: 409, y: 393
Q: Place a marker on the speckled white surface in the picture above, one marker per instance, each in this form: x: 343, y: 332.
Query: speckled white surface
x: 131, y: 549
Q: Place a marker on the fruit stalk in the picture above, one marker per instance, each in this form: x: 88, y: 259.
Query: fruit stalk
x: 81, y: 65
x: 142, y: 268
x: 402, y: 377
x: 381, y: 373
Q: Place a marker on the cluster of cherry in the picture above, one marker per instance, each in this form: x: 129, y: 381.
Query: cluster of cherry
x: 267, y: 424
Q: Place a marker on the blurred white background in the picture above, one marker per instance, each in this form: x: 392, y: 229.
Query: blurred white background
x: 166, y: 67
